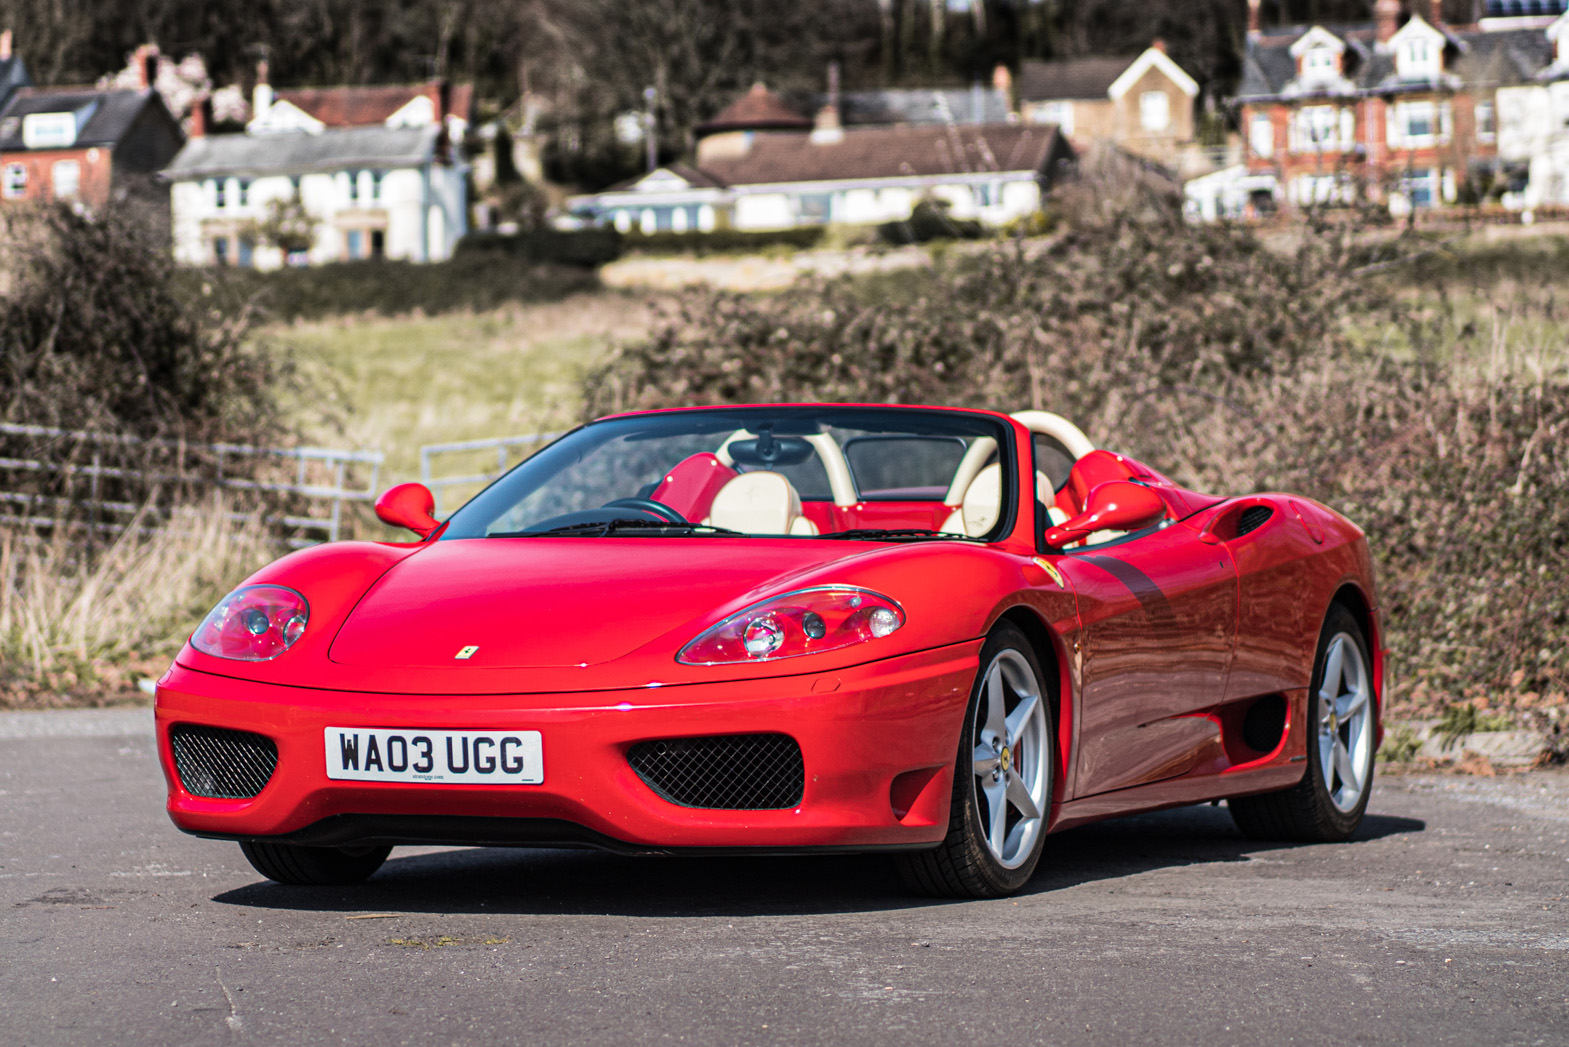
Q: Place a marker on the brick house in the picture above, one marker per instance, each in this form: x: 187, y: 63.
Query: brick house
x: 13, y: 73
x: 1143, y: 105
x: 315, y: 109
x: 85, y: 146
x: 1392, y: 111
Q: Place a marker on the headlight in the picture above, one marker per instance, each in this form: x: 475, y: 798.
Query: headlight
x: 809, y: 621
x: 253, y: 624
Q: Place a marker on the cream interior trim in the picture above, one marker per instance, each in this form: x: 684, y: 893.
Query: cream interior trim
x: 828, y: 451
x: 969, y: 467
x: 1048, y: 424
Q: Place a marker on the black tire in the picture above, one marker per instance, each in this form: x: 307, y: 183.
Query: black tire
x: 293, y: 864
x: 962, y: 866
x: 1305, y: 813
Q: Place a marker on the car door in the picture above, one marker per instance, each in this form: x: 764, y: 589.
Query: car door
x: 1158, y: 613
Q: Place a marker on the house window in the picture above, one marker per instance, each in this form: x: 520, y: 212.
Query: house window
x: 1059, y: 113
x: 813, y: 208
x: 1261, y: 135
x: 375, y: 184
x: 1321, y: 128
x: 356, y: 243
x: 220, y: 250
x: 1319, y: 64
x: 1485, y: 130
x: 245, y: 194
x: 220, y: 194
x: 1420, y: 124
x: 1154, y: 111
x: 247, y: 252
x: 988, y: 194
x: 378, y: 243
x: 65, y: 179
x: 15, y: 181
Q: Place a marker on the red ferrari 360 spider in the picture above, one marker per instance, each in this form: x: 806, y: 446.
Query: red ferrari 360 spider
x: 941, y: 633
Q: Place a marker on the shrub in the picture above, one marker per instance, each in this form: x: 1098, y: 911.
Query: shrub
x: 579, y: 248
x: 1229, y: 365
x: 473, y: 280
x: 930, y: 221
x: 726, y: 241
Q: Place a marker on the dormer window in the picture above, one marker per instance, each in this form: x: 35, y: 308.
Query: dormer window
x: 1319, y: 64
x: 1419, y: 51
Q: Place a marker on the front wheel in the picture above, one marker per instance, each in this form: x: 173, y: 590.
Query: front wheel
x: 1001, y: 783
x: 293, y: 864
x: 1327, y: 805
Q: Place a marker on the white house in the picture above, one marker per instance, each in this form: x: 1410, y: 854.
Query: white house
x: 392, y: 188
x: 1533, y: 126
x: 785, y: 179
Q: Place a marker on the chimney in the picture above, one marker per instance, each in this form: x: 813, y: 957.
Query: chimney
x: 145, y: 59
x: 827, y: 129
x: 443, y: 100
x: 1253, y: 23
x: 1386, y: 16
x: 201, y: 116
x: 261, y: 98
x: 1159, y: 45
x: 5, y: 45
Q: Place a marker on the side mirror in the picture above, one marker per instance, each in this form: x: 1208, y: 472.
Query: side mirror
x: 411, y: 506
x: 1116, y: 505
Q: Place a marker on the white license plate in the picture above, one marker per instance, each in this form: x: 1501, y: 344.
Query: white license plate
x: 375, y: 754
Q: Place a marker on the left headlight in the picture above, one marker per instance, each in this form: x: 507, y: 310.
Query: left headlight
x: 253, y: 624
x: 808, y: 621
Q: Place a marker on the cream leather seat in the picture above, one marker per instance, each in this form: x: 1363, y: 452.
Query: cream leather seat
x: 982, y: 503
x: 759, y: 503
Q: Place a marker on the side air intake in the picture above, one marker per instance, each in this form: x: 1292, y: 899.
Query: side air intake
x: 1253, y: 517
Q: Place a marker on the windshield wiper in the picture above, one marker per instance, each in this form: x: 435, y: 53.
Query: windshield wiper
x: 892, y: 534
x: 602, y: 528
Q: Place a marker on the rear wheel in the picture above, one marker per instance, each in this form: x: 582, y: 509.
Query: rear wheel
x: 1001, y: 783
x: 1328, y: 803
x: 321, y: 866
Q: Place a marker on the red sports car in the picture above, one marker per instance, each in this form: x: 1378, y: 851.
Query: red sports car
x: 940, y: 633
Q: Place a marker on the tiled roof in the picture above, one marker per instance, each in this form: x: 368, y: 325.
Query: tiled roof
x: 1080, y: 78
x: 103, y: 117
x: 301, y: 153
x: 890, y: 152
x: 757, y: 110
x: 363, y: 106
x: 1475, y: 57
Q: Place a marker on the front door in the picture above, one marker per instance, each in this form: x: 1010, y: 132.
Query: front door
x: 1159, y: 618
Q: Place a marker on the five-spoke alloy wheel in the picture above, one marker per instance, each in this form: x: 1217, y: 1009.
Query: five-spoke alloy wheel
x: 1002, y: 780
x: 1329, y: 801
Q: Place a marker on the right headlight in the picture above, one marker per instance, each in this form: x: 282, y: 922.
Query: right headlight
x: 807, y: 621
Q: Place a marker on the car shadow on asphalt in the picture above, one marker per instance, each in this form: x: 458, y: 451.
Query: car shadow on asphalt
x: 564, y: 882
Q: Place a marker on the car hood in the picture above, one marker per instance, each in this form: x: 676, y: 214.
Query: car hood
x: 536, y: 602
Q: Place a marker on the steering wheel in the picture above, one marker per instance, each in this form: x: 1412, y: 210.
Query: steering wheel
x: 647, y: 505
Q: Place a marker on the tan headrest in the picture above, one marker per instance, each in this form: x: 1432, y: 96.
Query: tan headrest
x: 983, y: 501
x: 756, y: 503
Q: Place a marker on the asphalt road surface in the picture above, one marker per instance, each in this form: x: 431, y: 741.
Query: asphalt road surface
x: 1445, y: 922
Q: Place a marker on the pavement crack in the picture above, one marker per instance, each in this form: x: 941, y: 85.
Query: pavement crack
x: 236, y: 1026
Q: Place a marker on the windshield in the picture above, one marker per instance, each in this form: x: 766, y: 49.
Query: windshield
x: 805, y: 472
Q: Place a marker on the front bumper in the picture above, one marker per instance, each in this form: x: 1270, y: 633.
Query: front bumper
x: 878, y: 743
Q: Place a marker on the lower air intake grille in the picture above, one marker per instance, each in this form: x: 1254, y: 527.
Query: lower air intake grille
x: 738, y: 772
x: 222, y: 764
x: 1253, y: 518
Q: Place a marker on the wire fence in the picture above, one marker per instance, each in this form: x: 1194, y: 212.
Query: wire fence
x: 101, y: 481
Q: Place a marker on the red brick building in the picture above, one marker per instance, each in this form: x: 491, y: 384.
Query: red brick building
x: 1399, y: 110
x: 86, y: 146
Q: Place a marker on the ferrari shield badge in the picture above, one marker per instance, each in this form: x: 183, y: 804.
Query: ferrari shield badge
x: 466, y: 653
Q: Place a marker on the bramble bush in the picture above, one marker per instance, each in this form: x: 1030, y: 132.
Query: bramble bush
x: 1230, y: 364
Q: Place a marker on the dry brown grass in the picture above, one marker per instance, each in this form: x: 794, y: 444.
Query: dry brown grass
x: 83, y: 630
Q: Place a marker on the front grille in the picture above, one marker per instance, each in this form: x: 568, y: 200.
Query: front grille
x: 738, y: 772
x: 1253, y: 518
x: 222, y: 764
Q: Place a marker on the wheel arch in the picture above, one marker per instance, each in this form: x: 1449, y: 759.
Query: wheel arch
x: 1054, y: 663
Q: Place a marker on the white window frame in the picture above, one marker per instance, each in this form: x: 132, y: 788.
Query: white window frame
x: 1261, y: 135
x: 15, y: 181
x: 74, y: 182
x: 1322, y: 129
x: 1155, y: 111
x: 1486, y: 122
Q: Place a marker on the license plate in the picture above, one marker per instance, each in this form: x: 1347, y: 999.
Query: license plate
x: 374, y: 754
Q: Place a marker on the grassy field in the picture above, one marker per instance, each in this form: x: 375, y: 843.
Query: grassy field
x: 396, y: 383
